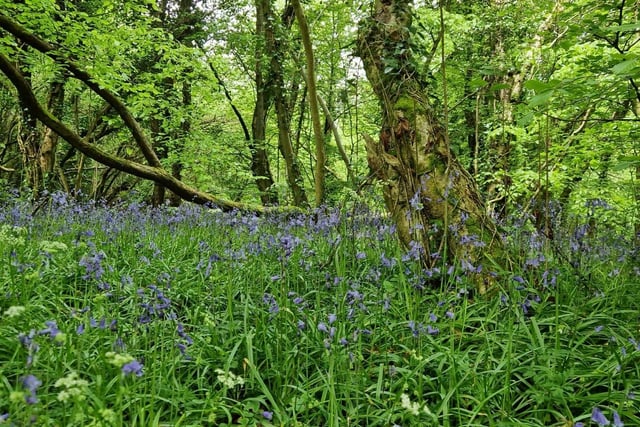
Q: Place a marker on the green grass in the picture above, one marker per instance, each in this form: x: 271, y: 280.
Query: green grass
x: 316, y: 326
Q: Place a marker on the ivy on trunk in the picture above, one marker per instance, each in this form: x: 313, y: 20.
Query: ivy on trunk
x: 433, y: 200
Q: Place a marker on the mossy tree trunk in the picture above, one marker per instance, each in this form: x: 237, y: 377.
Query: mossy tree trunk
x: 425, y: 187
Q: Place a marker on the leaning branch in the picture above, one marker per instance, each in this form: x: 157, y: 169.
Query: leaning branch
x: 153, y: 173
x: 48, y: 49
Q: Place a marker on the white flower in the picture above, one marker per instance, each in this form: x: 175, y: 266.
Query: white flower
x: 412, y: 407
x: 74, y: 387
x: 14, y: 311
x: 229, y: 379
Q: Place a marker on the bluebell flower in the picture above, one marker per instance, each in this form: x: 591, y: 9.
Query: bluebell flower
x: 332, y: 318
x: 415, y: 329
x: 598, y: 417
x: 617, y: 422
x: 51, y: 329
x: 31, y: 383
x: 322, y: 327
x: 433, y: 317
x: 133, y: 367
x: 267, y: 415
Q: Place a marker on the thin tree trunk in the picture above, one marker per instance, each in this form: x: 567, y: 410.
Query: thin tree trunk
x: 319, y: 178
x: 50, y: 139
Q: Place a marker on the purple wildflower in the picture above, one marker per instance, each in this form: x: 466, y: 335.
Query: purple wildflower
x: 322, y: 327
x: 415, y: 329
x: 31, y: 383
x: 51, y: 329
x: 598, y: 417
x: 617, y: 422
x: 332, y: 318
x: 267, y: 415
x: 133, y: 367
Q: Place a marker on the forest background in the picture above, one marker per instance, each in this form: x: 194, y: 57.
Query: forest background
x: 539, y: 100
x: 428, y: 213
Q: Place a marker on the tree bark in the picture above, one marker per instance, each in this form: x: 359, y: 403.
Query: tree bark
x: 424, y: 185
x: 264, y: 97
x: 283, y: 113
x: 319, y: 179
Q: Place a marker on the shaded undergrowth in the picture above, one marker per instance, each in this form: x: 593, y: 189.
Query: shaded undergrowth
x: 128, y: 315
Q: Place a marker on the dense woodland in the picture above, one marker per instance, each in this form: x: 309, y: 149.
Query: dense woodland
x: 268, y: 103
x: 320, y: 213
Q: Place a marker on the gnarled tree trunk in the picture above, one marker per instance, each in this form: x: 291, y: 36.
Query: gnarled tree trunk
x: 424, y: 185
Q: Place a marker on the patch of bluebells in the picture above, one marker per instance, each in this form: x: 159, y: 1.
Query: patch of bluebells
x: 93, y: 268
x: 418, y: 329
x: 27, y: 340
x: 154, y: 305
x: 184, y: 341
x: 271, y: 302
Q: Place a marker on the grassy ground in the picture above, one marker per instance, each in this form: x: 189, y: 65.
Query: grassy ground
x: 130, y: 316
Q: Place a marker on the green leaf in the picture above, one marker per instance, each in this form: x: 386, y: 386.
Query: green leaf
x: 536, y: 85
x: 477, y: 83
x: 622, y: 28
x: 541, y: 99
x: 626, y: 162
x: 625, y: 67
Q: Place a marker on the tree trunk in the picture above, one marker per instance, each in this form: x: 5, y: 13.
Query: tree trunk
x: 264, y: 97
x: 283, y: 113
x: 319, y: 178
x: 50, y: 139
x: 424, y: 186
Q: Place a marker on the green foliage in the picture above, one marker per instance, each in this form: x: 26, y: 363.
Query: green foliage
x: 305, y: 320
